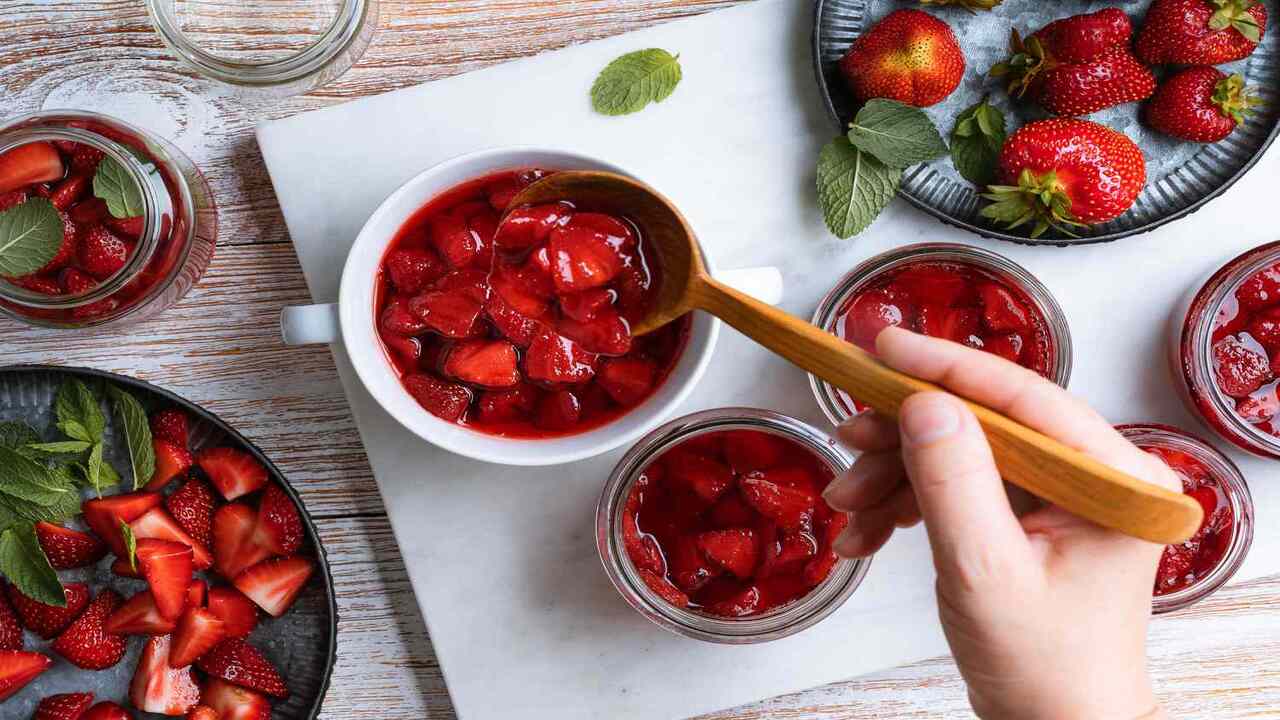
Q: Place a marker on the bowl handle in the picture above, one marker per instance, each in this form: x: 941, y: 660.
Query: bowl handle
x: 762, y: 283
x: 310, y: 324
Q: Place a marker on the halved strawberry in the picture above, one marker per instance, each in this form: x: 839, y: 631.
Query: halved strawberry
x: 139, y: 616
x: 24, y: 165
x: 191, y: 506
x: 747, y: 450
x: 171, y: 426
x: 10, y: 630
x: 157, y: 686
x: 67, y: 706
x: 85, y: 158
x: 553, y: 358
x: 708, y: 478
x: 582, y: 258
x: 640, y: 547
x: 233, y: 702
x: 275, y: 584
x: 446, y: 400
x: 67, y: 548
x: 233, y: 472
x: 48, y: 620
x: 167, y: 567
x: 19, y: 668
x: 233, y: 545
x: 449, y: 312
x: 198, y: 631
x: 791, y: 508
x: 487, y: 363
x: 279, y: 525
x: 159, y: 525
x: 664, y: 589
x: 86, y: 642
x: 526, y: 227
x: 628, y: 380
x: 819, y: 568
x: 238, y: 613
x: 171, y: 461
x: 202, y: 712
x: 607, y: 334
x: 734, y: 550
x: 197, y: 594
x: 730, y: 512
x: 236, y: 661
x: 104, y: 515
x: 66, y: 193
x: 506, y: 406
x: 1240, y: 366
x: 413, y: 270
x: 106, y: 710
x: 522, y: 292
x: 560, y: 410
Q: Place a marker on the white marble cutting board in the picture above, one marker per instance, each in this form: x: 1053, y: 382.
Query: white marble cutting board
x: 503, y: 560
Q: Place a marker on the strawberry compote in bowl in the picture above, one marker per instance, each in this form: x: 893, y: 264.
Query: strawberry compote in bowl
x: 116, y: 224
x: 957, y: 292
x: 714, y: 527
x: 1191, y: 571
x: 1226, y: 351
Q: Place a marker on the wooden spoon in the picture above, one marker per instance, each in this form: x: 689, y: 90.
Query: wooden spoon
x: 1029, y: 459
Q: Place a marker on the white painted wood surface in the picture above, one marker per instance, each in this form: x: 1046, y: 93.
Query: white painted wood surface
x: 220, y: 346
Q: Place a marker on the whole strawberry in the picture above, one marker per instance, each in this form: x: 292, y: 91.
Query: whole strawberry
x: 909, y: 56
x: 101, y: 253
x: 1078, y: 65
x: 1063, y: 173
x: 1201, y: 32
x: 1200, y: 104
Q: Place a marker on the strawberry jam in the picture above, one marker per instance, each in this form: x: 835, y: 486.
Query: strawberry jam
x: 732, y: 523
x: 525, y: 332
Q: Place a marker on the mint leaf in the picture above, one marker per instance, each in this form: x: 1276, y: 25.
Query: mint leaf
x: 23, y: 561
x: 93, y: 468
x: 14, y: 435
x: 79, y: 415
x: 67, y: 506
x: 853, y: 187
x: 137, y: 433
x: 898, y: 135
x: 628, y: 84
x: 8, y: 517
x: 25, y: 479
x: 30, y: 236
x: 976, y: 142
x: 113, y: 184
x: 130, y: 545
x: 62, y: 447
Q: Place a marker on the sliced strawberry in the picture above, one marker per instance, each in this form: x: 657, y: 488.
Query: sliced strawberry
x: 67, y: 251
x: 522, y: 289
x: 198, y: 632
x: 233, y: 702
x: 1240, y: 367
x: 1260, y: 289
x: 157, y: 524
x: 275, y: 584
x: 617, y: 233
x: 487, y: 363
x: 931, y: 284
x: 791, y: 508
x: 1008, y: 346
x: 507, y: 406
x: 748, y: 450
x: 553, y: 358
x: 501, y: 194
x: 68, y: 706
x: 819, y: 568
x: 104, y: 515
x: 962, y: 325
x: 1000, y: 309
x: 446, y: 400
x: 167, y: 567
x: 396, y: 319
x: 457, y: 243
x: 238, y: 662
x: 197, y: 593
x: 607, y: 334
x: 519, y: 329
x: 709, y: 479
x: 202, y: 712
x: 12, y: 199
x: 237, y: 612
x: 19, y: 668
x: 627, y: 380
x: 690, y: 569
x: 27, y: 164
x: 870, y: 314
x: 139, y: 616
x: 102, y: 254
x: 796, y: 548
x: 159, y: 687
x: 48, y: 620
x: 69, y: 191
x: 74, y: 282
x: 191, y: 506
x: 413, y: 270
x: 171, y: 425
x: 234, y: 473
x: 171, y: 461
x: 234, y: 550
x: 664, y: 589
x: 10, y: 630
x: 123, y: 568
x: 588, y: 304
x: 279, y: 525
x: 734, y: 550
x: 106, y: 711
x: 67, y: 548
x: 641, y: 548
x: 86, y: 642
x: 582, y: 258
x: 452, y: 313
x: 741, y: 604
x: 560, y: 410
x: 526, y: 227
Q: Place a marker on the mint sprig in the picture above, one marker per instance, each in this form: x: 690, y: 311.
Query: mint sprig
x: 898, y: 134
x: 78, y: 411
x: 976, y: 142
x: 113, y: 185
x: 137, y: 433
x: 630, y: 83
x: 30, y: 236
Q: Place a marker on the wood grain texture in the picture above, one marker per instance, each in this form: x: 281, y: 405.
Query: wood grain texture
x: 220, y: 346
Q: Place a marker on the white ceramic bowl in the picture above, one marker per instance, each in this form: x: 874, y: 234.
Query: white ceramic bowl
x: 353, y: 322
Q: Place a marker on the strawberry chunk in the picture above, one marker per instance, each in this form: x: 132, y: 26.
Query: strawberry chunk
x: 741, y: 604
x: 1000, y: 309
x: 870, y: 314
x: 106, y: 710
x: 238, y: 662
x: 627, y: 380
x: 86, y: 642
x: 12, y: 199
x: 690, y: 568
x: 1240, y: 367
x: 19, y: 668
x: 67, y: 548
x: 414, y: 270
x: 510, y: 323
x: 447, y: 401
x: 90, y: 212
x: 707, y: 478
x: 36, y: 283
x: 962, y: 325
x: 521, y: 288
x: 159, y: 525
x: 238, y: 614
x: 171, y: 461
x: 1008, y: 346
x: 640, y: 547
x: 85, y: 158
x: 139, y: 616
x: 35, y: 162
x: 932, y: 284
x: 553, y: 358
x: 104, y: 515
x: 199, y: 630
x: 171, y: 425
x: 234, y: 550
x: 452, y: 313
x: 160, y: 687
x: 167, y: 567
x: 734, y: 550
x: 233, y: 702
x: 558, y: 411
x: 196, y: 594
x: 10, y: 630
x: 791, y: 508
x: 234, y: 473
x: 48, y: 621
x: 192, y: 506
x: 275, y: 584
x: 457, y: 243
x: 664, y: 589
x: 1265, y: 328
x: 507, y: 406
x: 1259, y: 408
x: 526, y: 227
x: 582, y: 258
x: 607, y: 334
x: 69, y: 191
x: 74, y: 282
x: 68, y: 706
x: 1260, y: 289
x: 397, y: 319
x: 618, y: 233
x: 501, y: 194
x: 487, y: 363
x: 730, y: 511
x: 279, y: 524
x: 102, y: 254
x: 407, y: 349
x: 747, y: 450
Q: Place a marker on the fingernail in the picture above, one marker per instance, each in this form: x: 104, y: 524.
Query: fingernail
x: 849, y: 544
x: 850, y: 478
x: 930, y: 418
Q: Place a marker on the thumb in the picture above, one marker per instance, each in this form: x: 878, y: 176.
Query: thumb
x: 975, y: 536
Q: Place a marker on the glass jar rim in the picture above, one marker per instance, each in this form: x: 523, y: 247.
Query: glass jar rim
x: 1234, y: 486
x: 1059, y: 329
x: 775, y: 624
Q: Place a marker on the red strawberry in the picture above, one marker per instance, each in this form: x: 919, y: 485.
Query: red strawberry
x: 104, y: 515
x: 731, y: 512
x: 607, y: 334
x: 48, y: 620
x: 233, y: 547
x: 526, y: 227
x: 507, y: 406
x: 69, y: 706
x: 559, y: 411
x: 1001, y: 311
x: 510, y: 323
x: 909, y: 56
x: 74, y: 282
x: 487, y: 363
x: 1240, y: 367
x: 1201, y: 32
x: 66, y: 251
x: 690, y: 569
x: 870, y: 314
x: 1200, y: 104
x: 24, y: 165
x: 748, y: 450
x: 1265, y: 328
x: 582, y: 258
x: 734, y: 550
x: 627, y: 380
x: 171, y: 425
x: 741, y: 604
x: 67, y: 548
x: 233, y: 702
x: 523, y: 289
x: 236, y: 661
x: 791, y: 508
x: 90, y: 212
x: 197, y: 593
x: 167, y: 567
x: 139, y: 616
x: 130, y: 227
x: 10, y: 630
x: 36, y: 283
x: 396, y: 320
x: 123, y: 568
x: 555, y: 359
x: 456, y: 242
x: 202, y: 712
x: 19, y: 668
x: 234, y: 473
x: 275, y: 584
x: 238, y: 613
x: 106, y: 711
x: 85, y: 158
x: 198, y: 631
x: 171, y: 461
x: 664, y: 589
x: 157, y: 524
x: 708, y: 478
x: 587, y: 305
x: 452, y: 313
x: 101, y: 253
x: 412, y: 271
x: 446, y: 400
x: 66, y: 193
x: 1008, y: 346
x: 1065, y: 173
x: 12, y: 199
x: 86, y: 643
x: 191, y: 506
x: 819, y: 568
x: 641, y: 548
x: 279, y: 525
x: 159, y: 687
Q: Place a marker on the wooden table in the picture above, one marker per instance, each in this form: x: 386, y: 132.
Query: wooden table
x: 220, y: 347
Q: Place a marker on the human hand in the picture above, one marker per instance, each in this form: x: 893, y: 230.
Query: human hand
x: 1046, y: 613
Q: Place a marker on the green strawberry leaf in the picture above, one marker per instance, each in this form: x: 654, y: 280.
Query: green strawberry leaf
x: 853, y: 187
x: 113, y: 184
x: 78, y: 412
x: 898, y: 135
x: 30, y: 236
x: 24, y: 563
x: 627, y: 85
x: 137, y: 433
x: 976, y: 141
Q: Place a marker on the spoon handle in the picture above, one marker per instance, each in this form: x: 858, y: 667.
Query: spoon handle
x: 1033, y: 461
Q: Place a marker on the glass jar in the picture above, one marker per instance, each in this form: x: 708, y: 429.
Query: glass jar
x: 1231, y: 493
x: 175, y: 240
x: 838, y: 406
x: 1209, y: 315
x: 322, y: 40
x: 773, y: 624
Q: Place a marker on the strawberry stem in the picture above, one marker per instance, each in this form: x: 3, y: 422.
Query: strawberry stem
x: 1042, y: 198
x: 1029, y: 59
x: 1235, y: 14
x: 1234, y: 99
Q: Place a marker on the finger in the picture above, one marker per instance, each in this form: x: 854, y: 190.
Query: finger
x: 868, y: 482
x: 867, y: 533
x: 869, y: 432
x: 975, y: 537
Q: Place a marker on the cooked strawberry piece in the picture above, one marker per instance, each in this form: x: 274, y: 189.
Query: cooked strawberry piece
x: 139, y: 616
x: 734, y: 550
x: 408, y: 349
x: 1240, y: 367
x: 497, y: 407
x: 871, y: 313
x: 1265, y: 328
x: 707, y: 478
x: 627, y: 380
x: 962, y: 325
x: 451, y: 313
x: 74, y: 282
x: 1008, y: 346
x: 171, y: 461
x: 159, y: 525
x: 238, y: 613
x: 160, y: 687
x: 279, y: 526
x: 616, y: 232
x: 587, y: 305
x: 1000, y: 309
x: 102, y: 254
x: 791, y: 508
x: 501, y: 194
x: 198, y: 632
x: 796, y: 478
x: 49, y: 620
x: 90, y: 212
x: 104, y: 515
x: 689, y: 568
x: 171, y: 425
x: 742, y: 604
x: 234, y: 550
x: 510, y: 323
x: 233, y: 702
x: 275, y: 584
x: 67, y: 548
x: 553, y: 358
x: 1260, y: 289
x: 607, y: 334
x: 528, y: 226
x: 234, y: 473
x: 457, y: 243
x: 68, y: 706
x: 518, y: 290
x: 560, y: 410
x: 414, y: 270
x: 35, y: 162
x: 748, y: 450
x: 67, y: 251
x: 66, y: 193
x: 191, y: 506
x: 37, y: 283
x: 130, y: 227
x: 641, y: 548
x: 445, y: 400
x: 582, y: 258
x: 819, y: 568
x: 167, y: 567
x: 664, y: 589
x: 12, y: 199
x: 106, y: 710
x: 795, y: 548
x: 932, y: 284
x: 19, y: 668
x: 85, y: 158
x: 86, y: 642
x: 10, y: 630
x: 397, y: 319
x: 238, y: 662
x: 730, y: 512
x: 487, y: 363
x: 1258, y: 409
x: 1175, y: 571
